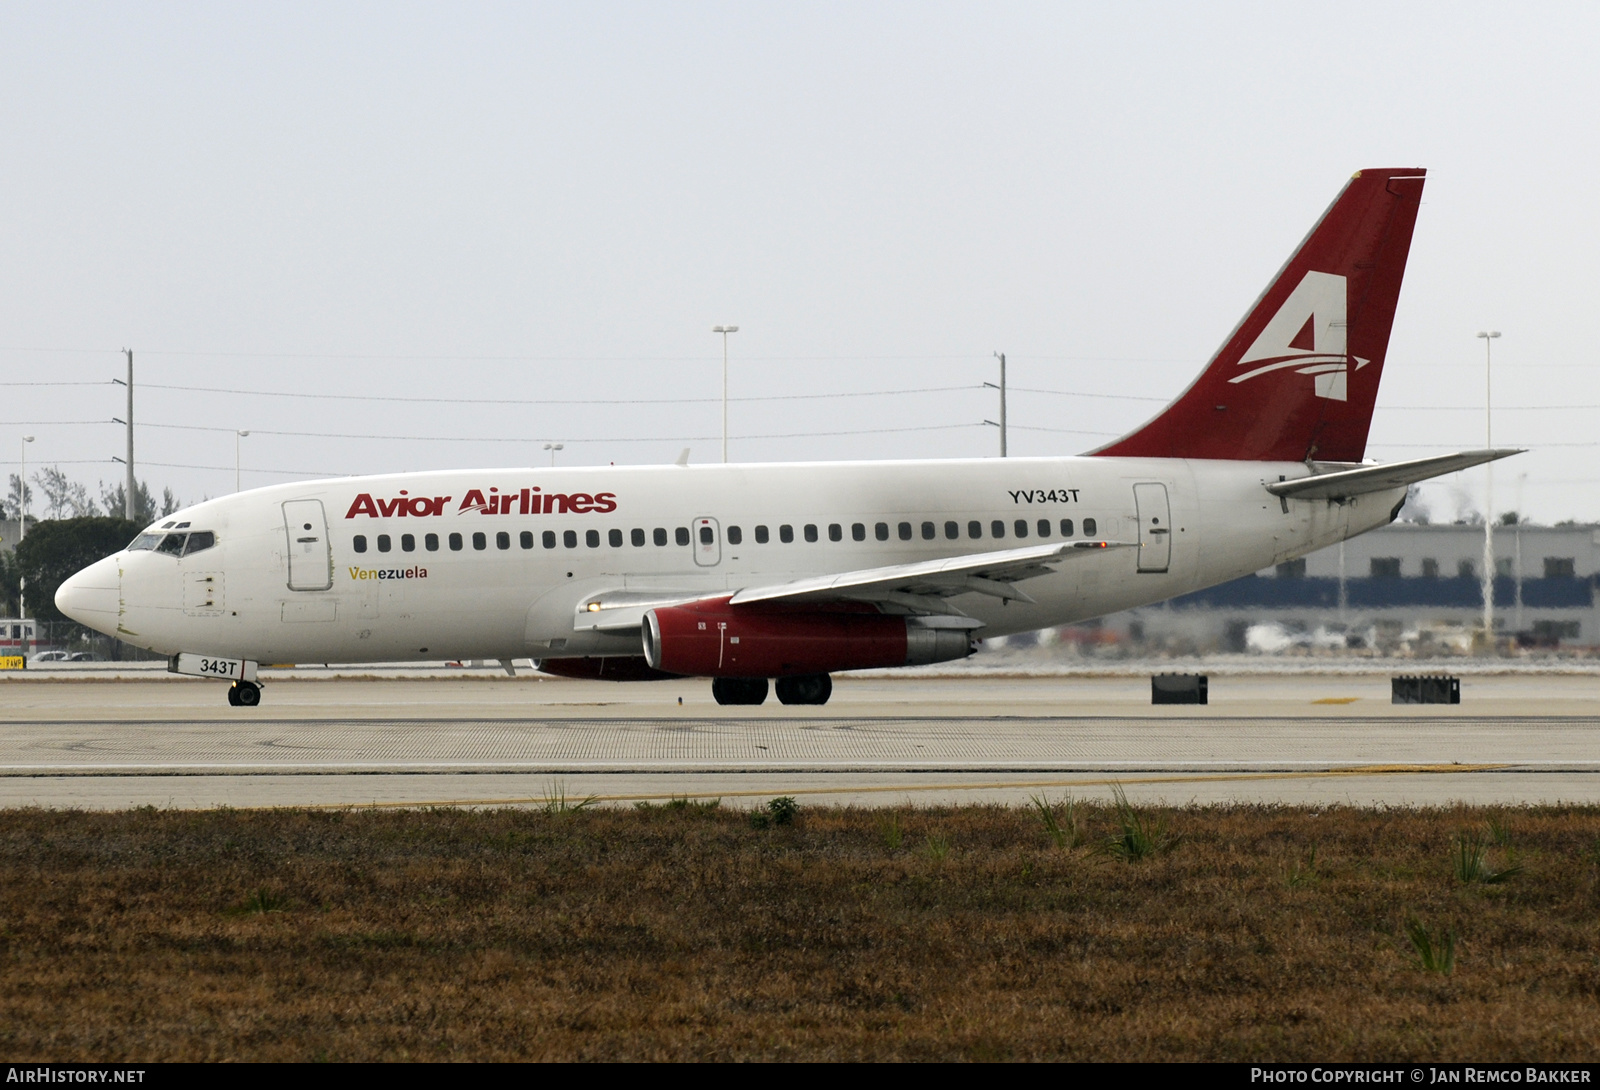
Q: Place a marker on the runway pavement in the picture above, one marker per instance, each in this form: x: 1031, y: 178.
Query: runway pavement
x: 100, y: 743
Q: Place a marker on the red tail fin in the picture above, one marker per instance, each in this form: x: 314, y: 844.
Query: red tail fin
x: 1298, y: 377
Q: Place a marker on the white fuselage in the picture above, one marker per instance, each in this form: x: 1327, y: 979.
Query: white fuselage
x: 495, y: 597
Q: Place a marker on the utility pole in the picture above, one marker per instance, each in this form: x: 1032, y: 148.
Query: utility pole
x: 22, y: 534
x: 1001, y: 356
x: 128, y: 491
x: 725, y: 330
x: 1488, y: 493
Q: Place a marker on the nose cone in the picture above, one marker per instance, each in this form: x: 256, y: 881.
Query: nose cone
x: 93, y: 597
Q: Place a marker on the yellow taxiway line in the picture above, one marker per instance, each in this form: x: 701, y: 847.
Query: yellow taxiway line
x: 559, y: 798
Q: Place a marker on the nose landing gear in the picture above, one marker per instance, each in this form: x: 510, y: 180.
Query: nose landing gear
x: 244, y: 694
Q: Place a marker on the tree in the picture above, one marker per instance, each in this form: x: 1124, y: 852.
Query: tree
x: 58, y: 548
x: 64, y: 497
x: 14, y: 500
x: 145, y: 510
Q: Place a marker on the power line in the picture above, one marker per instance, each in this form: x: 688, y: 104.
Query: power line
x: 532, y: 439
x: 556, y: 401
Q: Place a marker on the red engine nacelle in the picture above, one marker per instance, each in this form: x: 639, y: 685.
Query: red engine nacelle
x: 713, y: 639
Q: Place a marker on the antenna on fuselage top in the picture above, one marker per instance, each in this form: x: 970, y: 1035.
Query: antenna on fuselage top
x: 683, y: 457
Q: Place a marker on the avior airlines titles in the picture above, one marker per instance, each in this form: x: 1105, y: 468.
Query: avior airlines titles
x: 776, y: 576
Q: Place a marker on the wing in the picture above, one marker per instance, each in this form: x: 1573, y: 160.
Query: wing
x: 1344, y: 483
x: 923, y: 587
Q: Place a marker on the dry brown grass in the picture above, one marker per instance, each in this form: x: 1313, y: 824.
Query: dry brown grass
x: 675, y: 934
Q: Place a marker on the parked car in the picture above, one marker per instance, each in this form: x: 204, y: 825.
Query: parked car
x: 86, y: 656
x: 50, y: 656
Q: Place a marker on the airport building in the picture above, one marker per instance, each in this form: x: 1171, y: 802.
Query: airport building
x: 1407, y: 588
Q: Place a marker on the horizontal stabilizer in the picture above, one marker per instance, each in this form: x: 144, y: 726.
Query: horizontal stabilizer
x: 925, y: 584
x: 1344, y: 483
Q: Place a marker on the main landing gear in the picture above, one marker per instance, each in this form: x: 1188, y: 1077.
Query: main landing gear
x: 805, y: 689
x: 244, y: 694
x: 739, y: 690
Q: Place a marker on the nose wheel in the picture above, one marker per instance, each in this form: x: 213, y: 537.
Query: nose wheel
x: 244, y: 694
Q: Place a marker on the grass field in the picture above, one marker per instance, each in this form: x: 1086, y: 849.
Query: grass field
x: 686, y: 932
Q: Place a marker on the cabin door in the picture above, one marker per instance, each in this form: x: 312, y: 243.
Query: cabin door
x: 1155, y: 527
x: 310, y: 558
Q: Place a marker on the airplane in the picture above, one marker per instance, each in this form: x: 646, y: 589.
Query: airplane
x: 746, y: 573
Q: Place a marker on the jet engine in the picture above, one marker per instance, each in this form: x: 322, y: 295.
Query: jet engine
x: 713, y: 639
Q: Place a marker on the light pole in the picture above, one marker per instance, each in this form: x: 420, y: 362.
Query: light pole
x: 237, y: 435
x: 724, y: 330
x: 22, y: 532
x: 1488, y: 337
x: 552, y: 448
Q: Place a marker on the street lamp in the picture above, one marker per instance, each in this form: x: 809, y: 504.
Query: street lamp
x: 552, y: 448
x: 724, y: 330
x: 237, y: 435
x: 1488, y: 337
x: 22, y: 532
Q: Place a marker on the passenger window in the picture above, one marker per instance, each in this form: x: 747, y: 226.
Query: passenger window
x: 638, y: 538
x: 735, y: 535
x: 811, y: 531
x: 548, y: 539
x: 525, y: 539
x: 480, y: 541
x: 146, y: 542
x: 952, y: 530
x: 786, y: 533
x: 761, y: 535
x: 204, y: 539
x: 591, y: 538
x: 706, y: 536
x: 905, y: 531
x: 881, y: 531
x: 858, y: 531
x: 928, y: 531
x: 1022, y: 527
x: 408, y: 543
x: 360, y: 543
x: 997, y: 528
x: 172, y: 544
x: 383, y: 543
x: 835, y: 532
x: 681, y: 535
x: 431, y: 542
x: 569, y: 538
x: 455, y: 543
x: 974, y: 529
x: 661, y: 535
x: 1044, y: 527
x: 1089, y: 527
x: 1066, y: 527
x: 502, y: 540
x: 615, y: 538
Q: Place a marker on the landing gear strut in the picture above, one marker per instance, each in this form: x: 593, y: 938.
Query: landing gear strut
x: 805, y: 689
x: 244, y: 694
x: 740, y: 690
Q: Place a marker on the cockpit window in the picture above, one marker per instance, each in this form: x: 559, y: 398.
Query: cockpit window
x: 144, y: 542
x: 200, y: 539
x: 172, y: 544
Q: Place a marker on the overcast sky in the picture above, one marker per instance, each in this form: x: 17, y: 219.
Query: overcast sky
x: 547, y: 208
